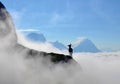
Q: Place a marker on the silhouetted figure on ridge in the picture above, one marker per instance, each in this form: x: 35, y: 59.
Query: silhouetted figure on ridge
x: 70, y: 49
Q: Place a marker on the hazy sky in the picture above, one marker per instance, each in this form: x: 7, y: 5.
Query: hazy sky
x: 67, y: 20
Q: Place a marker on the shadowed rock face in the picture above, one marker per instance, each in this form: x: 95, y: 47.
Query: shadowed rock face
x: 8, y: 34
x: 1, y: 5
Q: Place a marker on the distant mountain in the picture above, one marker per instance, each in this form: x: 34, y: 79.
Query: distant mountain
x: 82, y: 45
x: 59, y: 45
x: 85, y: 45
x: 36, y: 37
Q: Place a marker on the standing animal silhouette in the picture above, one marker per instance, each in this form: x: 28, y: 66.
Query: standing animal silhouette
x: 70, y: 49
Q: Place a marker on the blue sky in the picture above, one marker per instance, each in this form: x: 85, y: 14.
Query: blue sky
x: 67, y: 20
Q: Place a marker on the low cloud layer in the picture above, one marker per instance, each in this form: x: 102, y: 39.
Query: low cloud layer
x: 105, y: 66
x: 96, y: 68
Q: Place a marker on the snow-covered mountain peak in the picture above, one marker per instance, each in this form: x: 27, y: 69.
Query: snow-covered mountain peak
x: 36, y: 37
x: 78, y: 41
x: 85, y: 45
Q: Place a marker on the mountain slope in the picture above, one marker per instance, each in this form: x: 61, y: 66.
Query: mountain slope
x: 82, y: 45
x: 36, y: 37
x: 59, y: 45
x: 86, y: 46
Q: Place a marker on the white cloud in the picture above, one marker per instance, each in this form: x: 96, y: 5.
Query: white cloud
x: 97, y: 68
x: 105, y: 66
x: 28, y: 30
x: 46, y: 47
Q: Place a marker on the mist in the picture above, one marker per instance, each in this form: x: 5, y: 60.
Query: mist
x: 105, y: 65
x: 16, y: 67
x: 96, y: 68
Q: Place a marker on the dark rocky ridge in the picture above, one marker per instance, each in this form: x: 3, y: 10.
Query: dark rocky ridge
x: 2, y: 6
